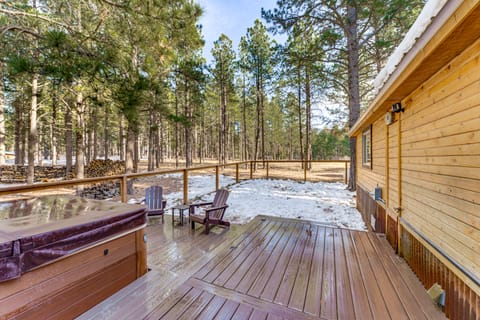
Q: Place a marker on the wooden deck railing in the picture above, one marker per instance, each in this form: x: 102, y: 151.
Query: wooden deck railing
x: 123, y: 179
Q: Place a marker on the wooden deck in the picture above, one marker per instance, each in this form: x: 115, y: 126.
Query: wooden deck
x: 270, y: 269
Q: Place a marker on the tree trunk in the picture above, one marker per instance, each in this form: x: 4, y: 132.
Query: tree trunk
x: 257, y: 129
x: 159, y: 144
x: 80, y: 144
x: 188, y: 159
x: 129, y: 154
x: 136, y: 153
x: 2, y: 121
x: 39, y: 149
x: 68, y: 141
x: 353, y: 86
x: 151, y: 141
x: 93, y: 136
x: 176, y: 124
x: 106, y: 133
x: 32, y: 133
x: 18, y: 134
x: 121, y: 138
x: 244, y: 119
x: 308, y: 118
x: 53, y: 133
x: 262, y: 120
x: 299, y: 97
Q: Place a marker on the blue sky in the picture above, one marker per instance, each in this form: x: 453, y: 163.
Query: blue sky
x: 231, y: 17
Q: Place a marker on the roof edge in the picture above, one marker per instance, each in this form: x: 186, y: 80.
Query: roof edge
x: 417, y: 55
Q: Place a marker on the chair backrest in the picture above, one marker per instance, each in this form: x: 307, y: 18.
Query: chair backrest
x: 153, y: 197
x: 220, y: 200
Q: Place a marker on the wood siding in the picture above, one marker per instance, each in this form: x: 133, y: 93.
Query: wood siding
x: 440, y: 147
x: 431, y: 176
x: 368, y: 178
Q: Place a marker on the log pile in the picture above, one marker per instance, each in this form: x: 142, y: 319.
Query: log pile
x: 102, y: 168
x: 18, y: 174
x: 101, y: 191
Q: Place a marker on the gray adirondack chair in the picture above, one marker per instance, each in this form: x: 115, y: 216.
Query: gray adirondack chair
x: 214, y: 211
x: 155, y: 202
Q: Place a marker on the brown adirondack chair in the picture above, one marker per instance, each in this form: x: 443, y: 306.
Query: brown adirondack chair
x: 214, y: 211
x: 155, y: 202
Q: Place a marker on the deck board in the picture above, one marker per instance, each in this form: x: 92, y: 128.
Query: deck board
x: 270, y: 269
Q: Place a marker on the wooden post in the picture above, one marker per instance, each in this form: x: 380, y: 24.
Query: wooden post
x: 237, y: 177
x: 185, y: 186
x: 141, y: 247
x: 251, y: 170
x: 346, y: 172
x: 268, y: 169
x: 217, y: 178
x: 123, y: 188
x: 305, y: 163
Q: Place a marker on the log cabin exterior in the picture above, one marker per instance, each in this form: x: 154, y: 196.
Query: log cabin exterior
x: 425, y: 159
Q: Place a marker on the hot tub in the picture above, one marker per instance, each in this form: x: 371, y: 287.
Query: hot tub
x: 60, y: 255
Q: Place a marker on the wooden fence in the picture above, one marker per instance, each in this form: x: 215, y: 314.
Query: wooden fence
x: 257, y: 169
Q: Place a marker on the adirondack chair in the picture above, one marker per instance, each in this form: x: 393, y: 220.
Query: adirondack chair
x: 214, y: 211
x: 155, y: 202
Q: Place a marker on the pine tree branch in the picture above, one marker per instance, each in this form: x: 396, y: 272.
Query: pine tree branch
x: 36, y: 16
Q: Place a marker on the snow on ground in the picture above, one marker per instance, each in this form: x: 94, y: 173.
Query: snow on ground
x: 328, y: 203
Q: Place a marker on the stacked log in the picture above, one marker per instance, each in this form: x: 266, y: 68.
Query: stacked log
x: 18, y: 174
x: 103, y: 168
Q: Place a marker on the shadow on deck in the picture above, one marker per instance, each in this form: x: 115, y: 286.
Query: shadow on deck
x: 271, y: 268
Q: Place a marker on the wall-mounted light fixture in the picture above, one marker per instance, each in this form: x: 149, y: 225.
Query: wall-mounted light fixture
x: 397, y: 107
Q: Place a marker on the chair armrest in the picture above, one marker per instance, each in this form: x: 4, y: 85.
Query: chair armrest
x: 216, y: 208
x: 164, y: 204
x: 200, y: 204
x: 191, y: 210
x: 207, y: 211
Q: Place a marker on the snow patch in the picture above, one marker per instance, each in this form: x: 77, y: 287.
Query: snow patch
x: 327, y: 203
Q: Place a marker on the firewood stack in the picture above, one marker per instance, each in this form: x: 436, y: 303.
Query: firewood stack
x: 102, y: 168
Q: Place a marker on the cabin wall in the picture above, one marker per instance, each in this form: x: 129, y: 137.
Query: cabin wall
x: 430, y: 159
x: 370, y: 178
x: 440, y: 159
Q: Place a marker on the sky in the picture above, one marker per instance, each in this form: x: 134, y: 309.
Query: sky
x: 231, y: 17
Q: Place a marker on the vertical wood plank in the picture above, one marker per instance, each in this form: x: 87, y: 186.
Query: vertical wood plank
x: 328, y: 302
x: 314, y: 293
x: 141, y: 248
x: 345, y: 307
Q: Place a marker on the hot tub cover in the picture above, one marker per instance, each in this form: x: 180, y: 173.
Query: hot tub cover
x: 37, y: 231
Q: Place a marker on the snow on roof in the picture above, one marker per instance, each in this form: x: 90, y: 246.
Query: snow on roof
x: 429, y: 12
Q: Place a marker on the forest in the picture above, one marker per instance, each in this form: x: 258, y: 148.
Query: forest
x: 90, y: 79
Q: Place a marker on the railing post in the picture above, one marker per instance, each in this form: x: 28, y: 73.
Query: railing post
x: 123, y: 188
x: 305, y: 171
x: 185, y: 186
x: 251, y: 170
x: 217, y: 178
x: 268, y: 169
x: 237, y: 177
x: 346, y: 171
